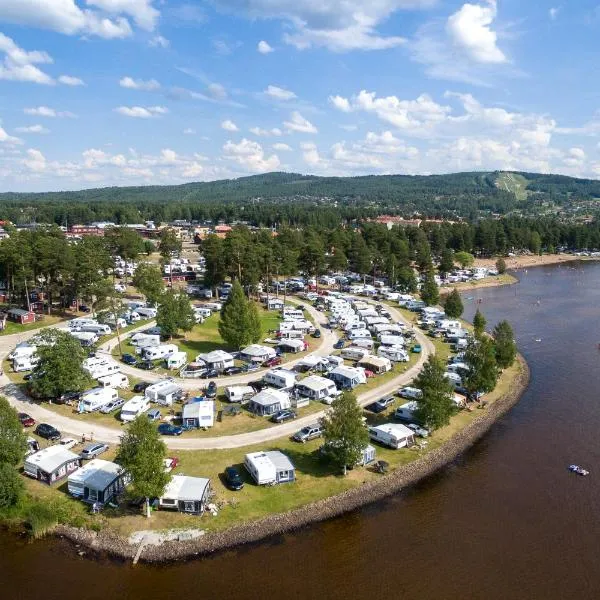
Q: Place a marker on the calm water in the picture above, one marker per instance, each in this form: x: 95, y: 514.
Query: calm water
x: 505, y: 521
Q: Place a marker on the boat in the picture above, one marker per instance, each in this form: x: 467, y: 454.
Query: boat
x: 578, y: 470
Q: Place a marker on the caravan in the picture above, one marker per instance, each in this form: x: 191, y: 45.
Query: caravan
x: 117, y: 380
x: 353, y: 353
x: 95, y: 399
x: 393, y: 435
x: 25, y: 363
x: 394, y: 353
x: 99, y: 367
x: 159, y: 352
x: 97, y: 328
x: 146, y: 312
x: 134, y: 408
x: 176, y: 360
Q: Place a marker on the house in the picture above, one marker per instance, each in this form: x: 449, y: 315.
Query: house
x: 97, y: 481
x: 376, y: 364
x: 163, y: 392
x: 316, y: 387
x: 269, y: 468
x: 293, y: 346
x: 268, y: 402
x: 21, y: 316
x: 217, y: 359
x: 51, y: 464
x: 393, y: 435
x: 280, y: 378
x: 257, y: 353
x: 186, y: 494
x: 197, y: 415
x: 348, y: 378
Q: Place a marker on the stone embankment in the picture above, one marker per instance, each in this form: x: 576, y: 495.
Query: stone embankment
x: 254, y: 531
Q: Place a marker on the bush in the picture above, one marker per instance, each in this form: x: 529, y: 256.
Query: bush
x: 501, y: 266
x: 11, y: 486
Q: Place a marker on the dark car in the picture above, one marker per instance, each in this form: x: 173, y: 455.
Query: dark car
x: 283, y: 415
x: 233, y: 479
x: 84, y: 308
x: 140, y: 386
x: 47, y: 432
x: 273, y: 362
x: 209, y: 373
x: 211, y: 390
x: 380, y: 405
x: 168, y: 429
x: 339, y: 344
x: 146, y: 365
x: 92, y: 450
x: 317, y: 333
x: 129, y: 359
x: 26, y: 420
x: 232, y: 371
x: 67, y: 398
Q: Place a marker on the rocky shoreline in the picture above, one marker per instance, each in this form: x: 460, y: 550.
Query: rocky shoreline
x: 115, y: 546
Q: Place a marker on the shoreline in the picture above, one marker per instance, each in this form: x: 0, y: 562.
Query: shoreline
x: 107, y: 543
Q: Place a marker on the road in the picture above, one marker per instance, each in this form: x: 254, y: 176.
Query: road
x: 79, y: 427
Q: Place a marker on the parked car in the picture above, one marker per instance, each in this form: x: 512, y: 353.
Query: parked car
x: 168, y: 429
x: 310, y: 432
x: 92, y: 450
x: 380, y: 405
x: 170, y: 463
x: 273, y: 362
x: 153, y: 414
x: 84, y: 308
x: 140, y: 386
x: 68, y: 442
x: 146, y: 365
x: 67, y: 398
x: 47, y: 432
x: 211, y: 390
x: 416, y: 348
x: 112, y: 406
x: 233, y: 479
x: 283, y: 415
x: 209, y: 374
x: 339, y: 344
x: 317, y: 334
x: 420, y: 431
x: 129, y: 359
x: 232, y: 371
x: 26, y: 420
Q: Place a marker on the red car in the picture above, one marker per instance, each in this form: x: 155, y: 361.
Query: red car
x: 171, y: 463
x: 273, y: 362
x: 26, y: 420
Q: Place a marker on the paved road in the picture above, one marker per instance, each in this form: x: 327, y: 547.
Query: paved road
x: 78, y: 427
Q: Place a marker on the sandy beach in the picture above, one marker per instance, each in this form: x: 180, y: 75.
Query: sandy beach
x: 525, y: 261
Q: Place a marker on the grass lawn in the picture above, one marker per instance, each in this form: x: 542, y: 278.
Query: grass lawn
x: 12, y: 328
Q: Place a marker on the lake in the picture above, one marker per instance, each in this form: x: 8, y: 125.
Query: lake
x: 507, y: 520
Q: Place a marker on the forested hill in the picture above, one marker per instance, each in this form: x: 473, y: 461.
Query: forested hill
x: 289, y: 196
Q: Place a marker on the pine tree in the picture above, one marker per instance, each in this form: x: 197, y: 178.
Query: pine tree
x: 435, y: 407
x: 254, y: 324
x: 479, y: 323
x: 453, y: 305
x: 446, y: 261
x: 148, y: 280
x: 167, y: 317
x: 506, y: 348
x: 430, y: 293
x: 346, y: 436
x: 482, y: 374
x: 185, y: 313
x: 240, y: 323
x: 501, y: 266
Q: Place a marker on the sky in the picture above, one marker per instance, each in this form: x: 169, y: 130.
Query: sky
x: 97, y: 93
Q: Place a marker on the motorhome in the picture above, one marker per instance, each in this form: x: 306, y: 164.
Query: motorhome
x: 366, y: 343
x: 134, y: 408
x: 454, y: 379
x: 96, y: 398
x: 80, y: 321
x: 239, y: 393
x: 358, y: 334
x: 391, y: 340
x: 394, y: 353
x: 116, y: 380
x: 280, y: 378
x: 408, y: 412
x: 393, y: 435
x: 23, y: 349
x: 97, y: 328
x: 85, y: 338
x: 145, y: 340
x: 99, y: 367
x: 353, y: 353
x: 176, y: 360
x: 146, y: 312
x: 159, y: 352
x: 25, y: 363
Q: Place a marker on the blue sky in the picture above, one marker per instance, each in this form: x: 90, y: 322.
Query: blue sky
x: 132, y: 92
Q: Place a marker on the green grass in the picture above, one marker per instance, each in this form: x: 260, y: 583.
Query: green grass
x: 13, y: 328
x: 513, y: 183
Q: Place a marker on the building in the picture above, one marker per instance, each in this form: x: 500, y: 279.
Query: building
x: 18, y: 315
x: 186, y: 494
x: 51, y: 464
x: 198, y: 415
x: 97, y: 481
x: 268, y: 402
x: 269, y: 468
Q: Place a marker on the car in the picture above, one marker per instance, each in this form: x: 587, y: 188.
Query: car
x: 209, y: 373
x: 140, y: 386
x: 170, y: 463
x: 146, y: 365
x: 380, y: 405
x: 283, y: 415
x: 84, y: 308
x: 211, y: 390
x: 26, y: 420
x: 232, y: 371
x: 129, y: 359
x: 92, y: 450
x: 112, y: 406
x: 68, y: 442
x: 420, y: 431
x: 310, y: 432
x: 317, y: 333
x: 67, y: 398
x: 48, y: 432
x: 273, y: 362
x: 153, y: 414
x: 339, y: 344
x: 168, y: 429
x: 233, y: 479
x: 416, y: 348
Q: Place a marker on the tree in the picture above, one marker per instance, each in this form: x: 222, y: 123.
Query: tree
x: 142, y: 453
x: 124, y: 242
x: 435, y: 405
x: 345, y: 434
x: 11, y: 486
x: 430, y: 293
x: 149, y: 247
x: 174, y: 313
x: 501, y: 266
x: 535, y: 243
x: 505, y: 346
x: 464, y: 259
x: 482, y: 373
x: 453, y: 306
x: 238, y: 324
x: 90, y: 281
x: 13, y: 442
x: 148, y: 280
x: 423, y: 256
x: 446, y: 261
x: 407, y: 280
x: 479, y: 324
x: 60, y: 366
x: 185, y: 313
x: 168, y: 244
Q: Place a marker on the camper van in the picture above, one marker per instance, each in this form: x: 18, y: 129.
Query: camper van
x: 97, y: 328
x: 99, y: 367
x: 81, y: 321
x: 159, y: 352
x: 85, y: 338
x: 239, y: 393
x: 116, y: 380
x: 176, y: 360
x: 407, y: 412
x: 96, y: 398
x: 394, y: 353
x: 25, y: 363
x: 146, y: 312
x: 353, y: 353
x: 134, y: 408
x: 280, y: 378
x: 356, y: 334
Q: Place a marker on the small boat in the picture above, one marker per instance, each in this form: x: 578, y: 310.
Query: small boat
x: 578, y: 470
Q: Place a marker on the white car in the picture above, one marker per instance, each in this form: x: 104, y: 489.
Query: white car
x: 119, y: 287
x: 68, y: 443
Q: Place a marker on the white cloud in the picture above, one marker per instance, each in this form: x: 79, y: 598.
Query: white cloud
x: 32, y: 129
x: 281, y: 147
x: 189, y: 131
x: 340, y: 103
x: 228, y: 125
x: 349, y: 127
x: 299, y: 124
x: 470, y: 30
x: 20, y: 65
x: 142, y: 12
x: 149, y: 85
x: 251, y: 156
x: 35, y: 161
x: 264, y: 48
x: 8, y: 139
x: 46, y: 111
x: 275, y: 131
x: 553, y: 13
x: 311, y: 156
x: 339, y: 25
x: 279, y: 93
x: 158, y: 41
x: 224, y: 47
x: 141, y: 112
x: 71, y: 81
